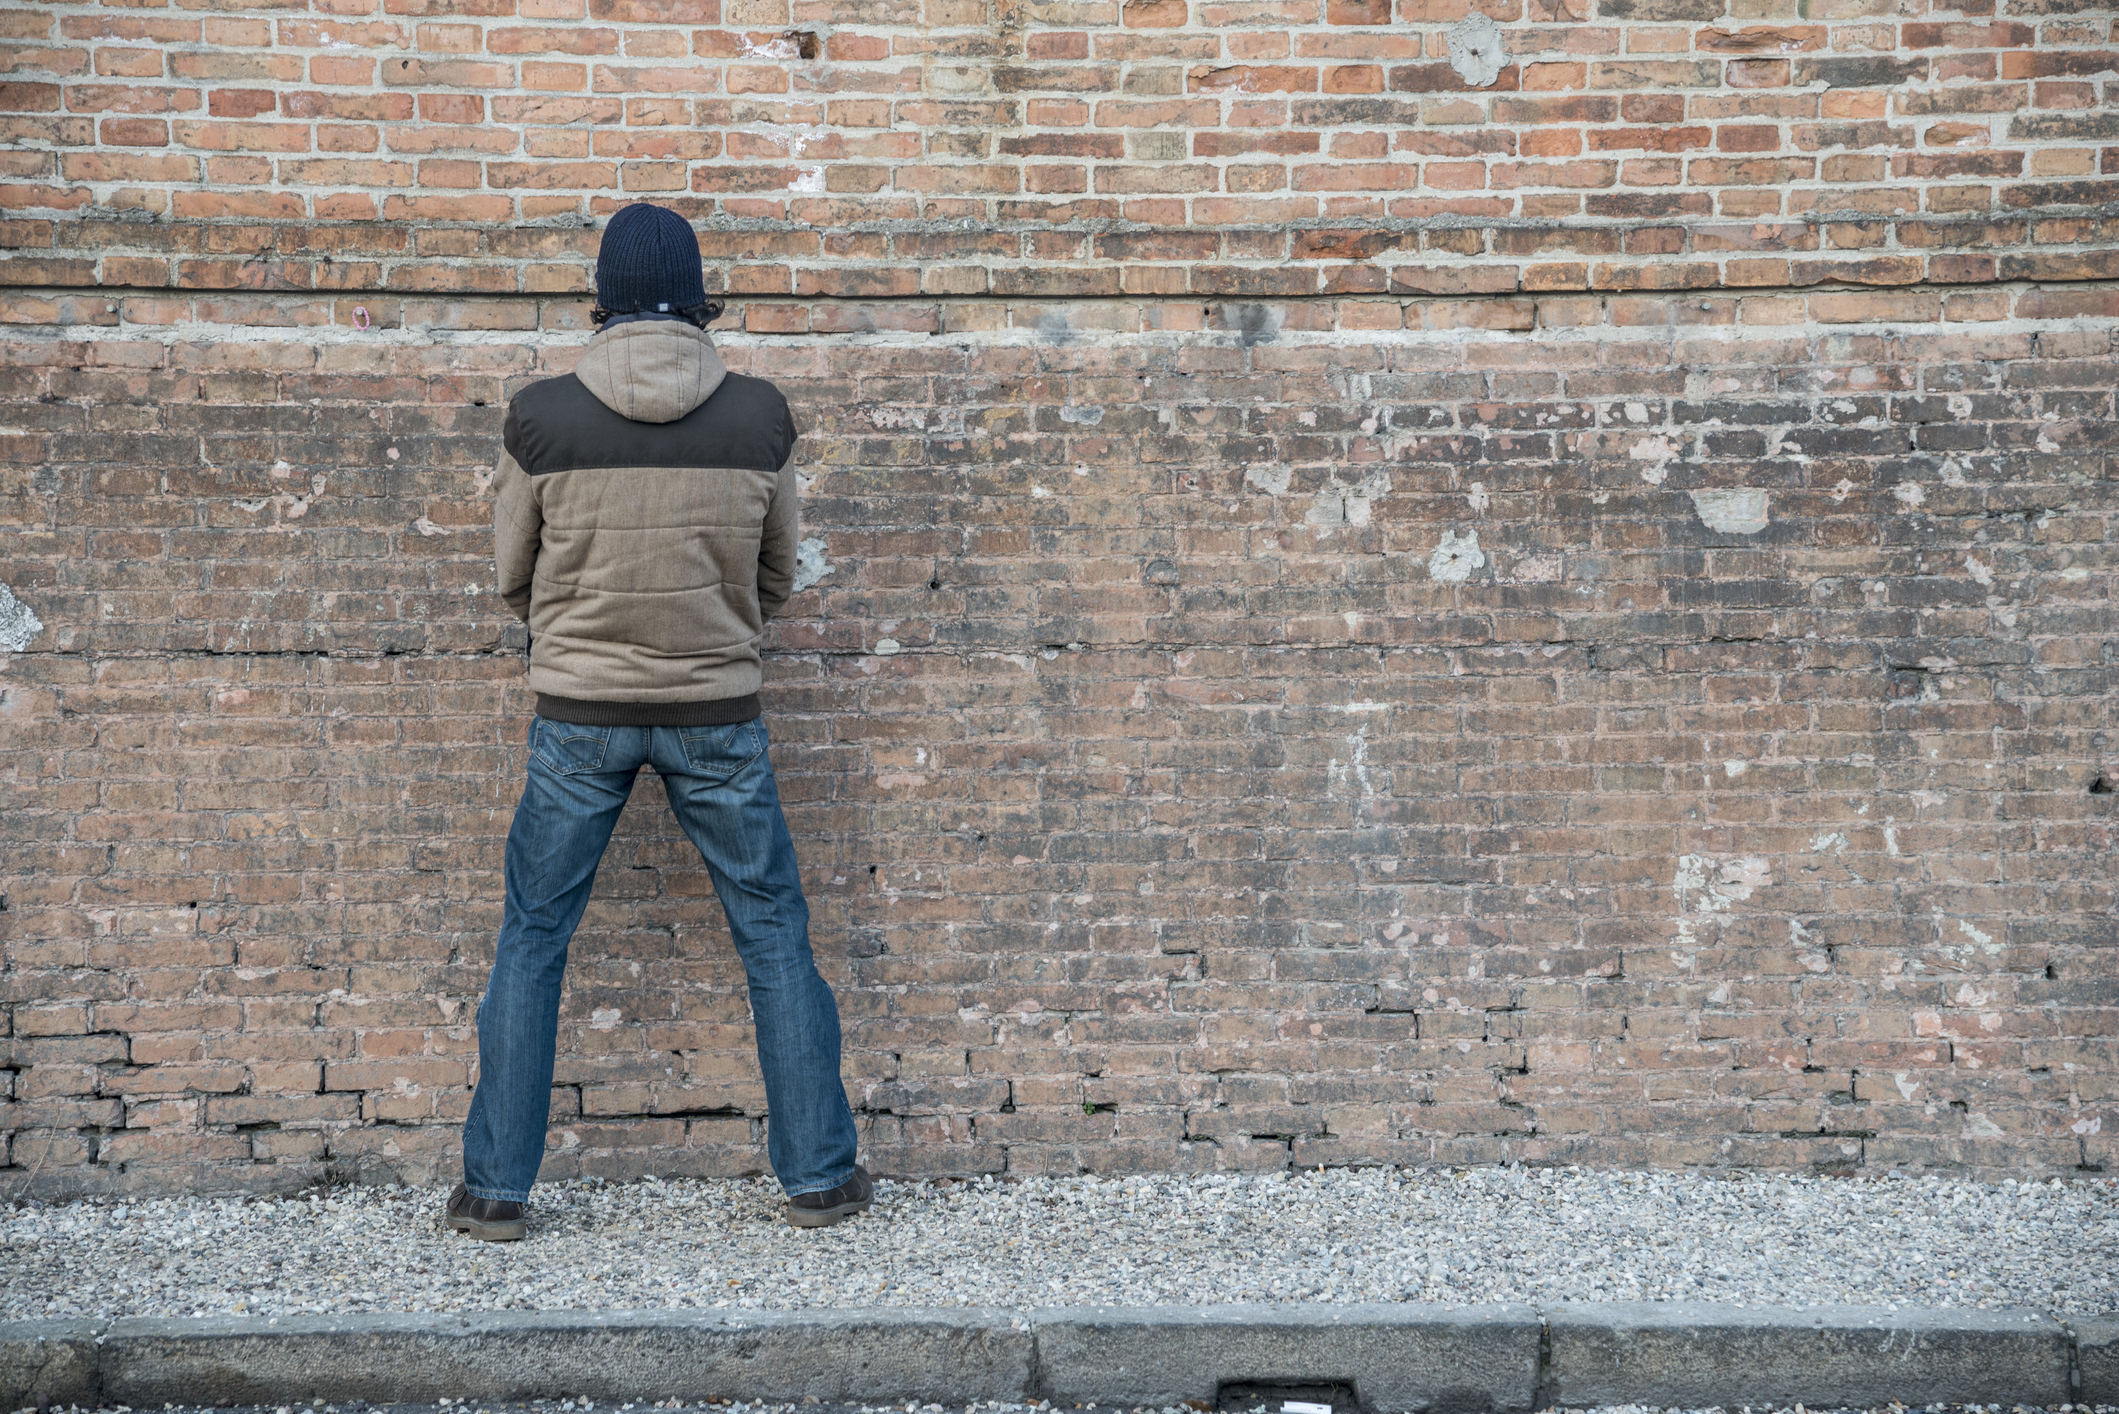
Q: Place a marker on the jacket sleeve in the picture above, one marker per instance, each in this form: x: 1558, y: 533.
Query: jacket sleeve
x: 776, y: 547
x: 518, y: 524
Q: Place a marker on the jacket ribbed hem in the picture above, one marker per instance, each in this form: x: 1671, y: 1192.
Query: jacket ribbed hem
x: 716, y: 712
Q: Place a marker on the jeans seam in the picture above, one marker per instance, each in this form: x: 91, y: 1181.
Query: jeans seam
x: 683, y: 746
x: 494, y: 1195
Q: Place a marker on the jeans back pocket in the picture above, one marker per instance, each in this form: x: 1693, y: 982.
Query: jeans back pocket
x: 568, y: 747
x: 720, y: 752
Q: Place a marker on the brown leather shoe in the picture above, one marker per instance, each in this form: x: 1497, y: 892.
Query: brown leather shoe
x: 824, y: 1209
x: 487, y: 1219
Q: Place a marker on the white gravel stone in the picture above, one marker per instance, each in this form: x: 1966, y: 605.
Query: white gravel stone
x: 584, y: 1405
x: 1342, y: 1235
x: 588, y: 1406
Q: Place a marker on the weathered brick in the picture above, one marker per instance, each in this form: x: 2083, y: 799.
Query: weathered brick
x: 1294, y: 1002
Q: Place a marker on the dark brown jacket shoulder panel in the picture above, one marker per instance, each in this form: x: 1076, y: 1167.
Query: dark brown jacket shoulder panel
x: 559, y: 425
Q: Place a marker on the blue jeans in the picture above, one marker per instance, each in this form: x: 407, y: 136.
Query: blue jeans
x: 720, y: 784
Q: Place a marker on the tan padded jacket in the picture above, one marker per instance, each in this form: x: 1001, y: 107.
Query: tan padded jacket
x: 644, y: 520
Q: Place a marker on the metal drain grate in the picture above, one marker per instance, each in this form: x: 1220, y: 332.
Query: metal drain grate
x: 1246, y: 1396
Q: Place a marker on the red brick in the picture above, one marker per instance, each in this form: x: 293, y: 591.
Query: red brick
x: 1153, y: 14
x: 1253, y: 79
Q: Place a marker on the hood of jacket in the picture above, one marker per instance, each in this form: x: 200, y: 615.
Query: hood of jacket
x: 656, y: 371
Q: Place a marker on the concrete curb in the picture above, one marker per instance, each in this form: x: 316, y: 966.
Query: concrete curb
x: 2096, y: 1358
x: 1395, y: 1358
x: 1702, y: 1356
x: 870, y: 1355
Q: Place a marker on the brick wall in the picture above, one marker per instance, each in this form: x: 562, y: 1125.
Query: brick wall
x: 1357, y: 616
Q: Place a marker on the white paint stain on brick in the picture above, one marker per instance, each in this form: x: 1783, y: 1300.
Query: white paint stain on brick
x: 1476, y: 50
x: 18, y: 623
x: 1979, y: 570
x: 289, y: 506
x: 1737, y: 510
x: 789, y: 136
x: 1908, y: 493
x: 1356, y: 769
x: 604, y: 1018
x: 1705, y: 885
x: 1478, y: 498
x: 810, y: 564
x: 778, y: 47
x: 1348, y: 505
x: 1455, y: 558
x: 1086, y: 416
x: 1985, y: 941
x: 1652, y: 449
x: 1272, y: 479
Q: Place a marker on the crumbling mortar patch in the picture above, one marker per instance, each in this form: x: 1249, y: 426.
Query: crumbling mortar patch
x: 19, y: 623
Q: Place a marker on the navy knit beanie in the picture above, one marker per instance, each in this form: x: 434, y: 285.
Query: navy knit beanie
x: 649, y: 259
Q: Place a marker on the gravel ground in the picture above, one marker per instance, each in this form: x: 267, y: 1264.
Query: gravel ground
x: 1343, y: 1235
x: 586, y: 1406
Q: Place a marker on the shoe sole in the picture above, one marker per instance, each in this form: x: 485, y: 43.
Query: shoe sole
x: 492, y: 1232
x: 825, y: 1217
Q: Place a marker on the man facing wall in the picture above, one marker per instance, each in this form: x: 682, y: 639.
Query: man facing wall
x: 645, y: 526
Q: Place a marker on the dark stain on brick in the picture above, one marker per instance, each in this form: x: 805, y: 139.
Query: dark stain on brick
x: 1253, y: 324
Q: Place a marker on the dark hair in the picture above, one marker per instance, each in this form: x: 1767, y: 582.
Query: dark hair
x: 697, y: 315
